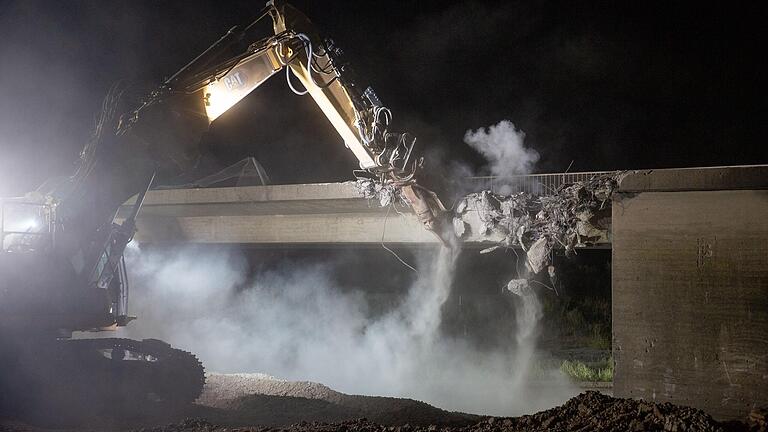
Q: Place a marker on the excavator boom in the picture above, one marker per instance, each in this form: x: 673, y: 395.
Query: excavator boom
x: 358, y: 115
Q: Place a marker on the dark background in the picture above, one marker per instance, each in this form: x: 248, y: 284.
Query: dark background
x: 606, y: 85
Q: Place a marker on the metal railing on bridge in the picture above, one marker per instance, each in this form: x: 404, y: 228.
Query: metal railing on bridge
x: 534, y: 184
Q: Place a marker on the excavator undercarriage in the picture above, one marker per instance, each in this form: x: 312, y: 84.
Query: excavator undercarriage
x: 74, y: 380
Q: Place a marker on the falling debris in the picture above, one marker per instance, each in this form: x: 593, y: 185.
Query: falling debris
x: 518, y: 286
x: 538, y: 255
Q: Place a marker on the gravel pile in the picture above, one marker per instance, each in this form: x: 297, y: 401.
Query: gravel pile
x: 224, y: 390
x: 249, y: 399
x: 590, y: 411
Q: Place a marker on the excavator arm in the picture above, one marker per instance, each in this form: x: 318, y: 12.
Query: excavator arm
x: 357, y: 116
x: 297, y: 50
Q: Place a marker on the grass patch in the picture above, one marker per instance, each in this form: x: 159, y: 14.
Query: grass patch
x: 577, y: 321
x: 579, y: 371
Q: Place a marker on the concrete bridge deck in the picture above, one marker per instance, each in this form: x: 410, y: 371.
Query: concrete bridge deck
x: 279, y: 214
x: 321, y: 213
x: 335, y: 213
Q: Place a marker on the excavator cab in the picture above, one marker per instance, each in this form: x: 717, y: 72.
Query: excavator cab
x: 26, y: 225
x: 37, y: 277
x: 27, y: 237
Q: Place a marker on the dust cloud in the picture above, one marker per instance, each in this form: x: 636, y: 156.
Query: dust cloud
x: 295, y: 323
x: 503, y: 145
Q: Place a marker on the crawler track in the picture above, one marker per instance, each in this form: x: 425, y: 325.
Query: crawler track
x: 150, y: 371
x: 100, y: 377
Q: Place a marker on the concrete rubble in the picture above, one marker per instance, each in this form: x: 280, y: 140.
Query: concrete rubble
x: 384, y: 194
x: 567, y: 218
x: 570, y: 216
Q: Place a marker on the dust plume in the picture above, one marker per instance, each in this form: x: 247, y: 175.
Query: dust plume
x: 528, y: 314
x: 294, y: 322
x: 503, y: 145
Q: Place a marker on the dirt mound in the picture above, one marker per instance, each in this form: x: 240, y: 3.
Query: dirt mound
x: 597, y: 412
x: 590, y: 411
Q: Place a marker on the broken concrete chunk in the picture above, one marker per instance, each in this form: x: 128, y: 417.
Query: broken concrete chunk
x: 461, y: 207
x: 371, y: 189
x: 538, y: 255
x: 386, y: 197
x: 459, y: 227
x: 518, y: 287
x: 584, y: 215
x: 489, y: 201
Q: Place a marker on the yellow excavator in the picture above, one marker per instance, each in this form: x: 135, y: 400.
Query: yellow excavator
x: 61, y: 253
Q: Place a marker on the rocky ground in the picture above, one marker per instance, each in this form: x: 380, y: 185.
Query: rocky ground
x: 590, y: 411
x: 256, y: 402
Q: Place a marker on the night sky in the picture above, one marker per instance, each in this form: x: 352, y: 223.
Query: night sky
x: 608, y: 86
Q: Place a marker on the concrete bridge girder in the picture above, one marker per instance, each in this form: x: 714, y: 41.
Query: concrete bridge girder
x: 321, y: 213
